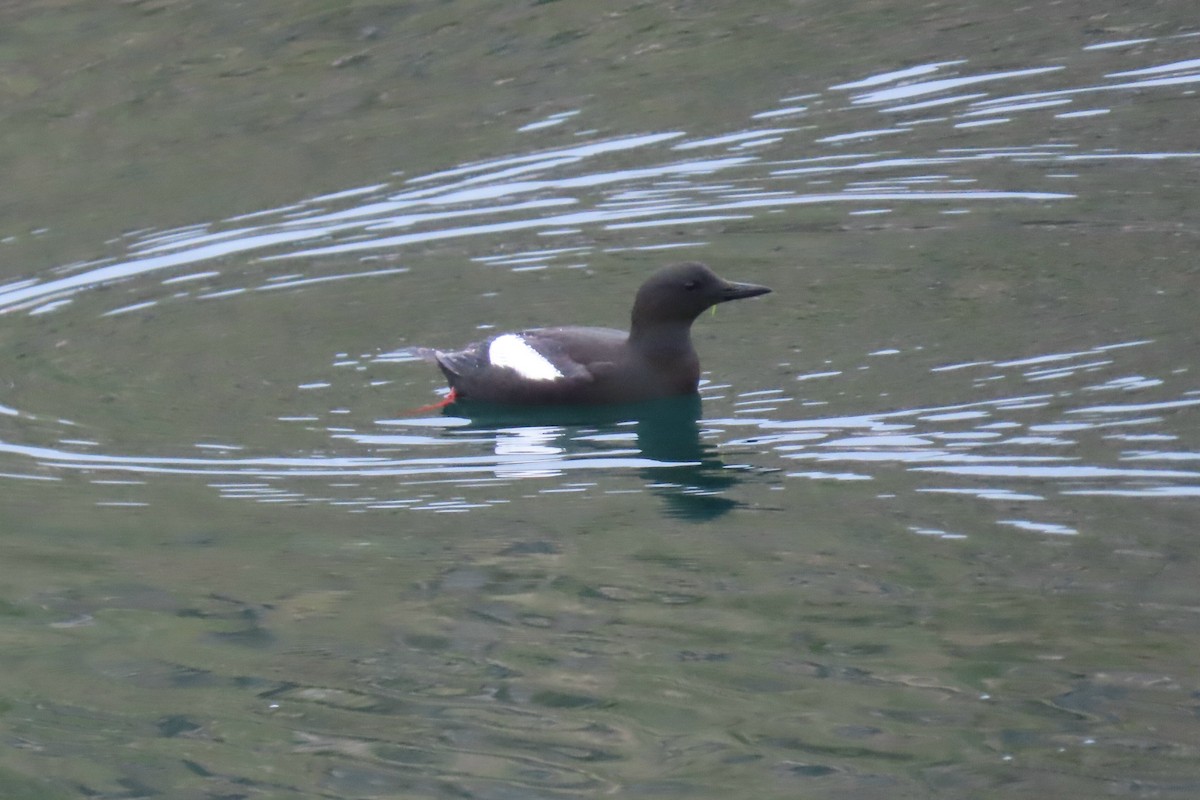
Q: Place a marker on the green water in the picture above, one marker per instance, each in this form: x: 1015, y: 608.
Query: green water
x: 931, y: 534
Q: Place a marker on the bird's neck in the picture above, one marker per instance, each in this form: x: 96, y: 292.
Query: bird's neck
x: 662, y: 341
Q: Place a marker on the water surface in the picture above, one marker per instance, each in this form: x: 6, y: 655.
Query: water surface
x: 929, y: 530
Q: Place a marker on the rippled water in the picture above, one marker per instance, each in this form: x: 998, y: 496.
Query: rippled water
x: 929, y: 531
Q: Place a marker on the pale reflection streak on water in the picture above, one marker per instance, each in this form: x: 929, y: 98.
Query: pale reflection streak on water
x: 667, y: 190
x: 675, y: 181
x: 1018, y: 447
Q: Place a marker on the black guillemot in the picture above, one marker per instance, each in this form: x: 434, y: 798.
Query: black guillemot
x: 593, y: 366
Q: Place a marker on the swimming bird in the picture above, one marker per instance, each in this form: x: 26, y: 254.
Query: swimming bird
x: 593, y: 366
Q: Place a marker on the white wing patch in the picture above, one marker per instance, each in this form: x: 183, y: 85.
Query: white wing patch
x: 513, y: 352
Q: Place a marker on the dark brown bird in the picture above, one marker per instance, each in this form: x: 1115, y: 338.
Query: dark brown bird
x: 590, y: 366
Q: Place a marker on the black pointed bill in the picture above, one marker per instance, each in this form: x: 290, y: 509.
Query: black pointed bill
x: 739, y: 291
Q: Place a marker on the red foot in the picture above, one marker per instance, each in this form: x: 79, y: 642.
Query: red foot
x: 445, y: 401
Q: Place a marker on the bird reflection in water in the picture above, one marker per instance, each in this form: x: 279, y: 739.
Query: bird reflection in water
x: 670, y: 455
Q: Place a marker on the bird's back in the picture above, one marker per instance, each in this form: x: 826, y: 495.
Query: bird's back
x: 561, y: 365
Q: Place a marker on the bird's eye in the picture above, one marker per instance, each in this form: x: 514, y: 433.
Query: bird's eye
x: 690, y: 285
